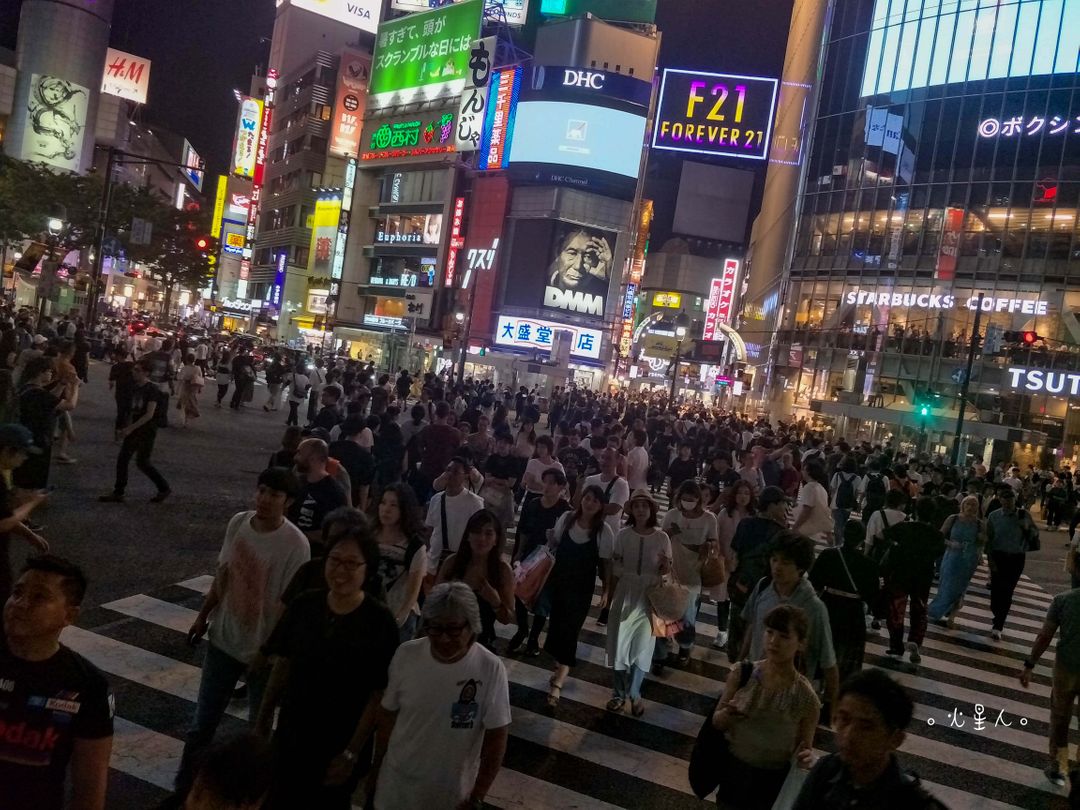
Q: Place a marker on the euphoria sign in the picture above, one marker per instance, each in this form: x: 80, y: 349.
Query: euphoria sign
x: 715, y: 114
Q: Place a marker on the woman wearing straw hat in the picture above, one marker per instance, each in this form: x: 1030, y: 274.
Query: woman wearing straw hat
x: 642, y: 555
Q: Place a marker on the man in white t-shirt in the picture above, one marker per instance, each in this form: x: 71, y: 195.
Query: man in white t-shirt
x: 261, y: 553
x: 617, y: 491
x: 445, y: 716
x: 637, y: 460
x: 459, y: 504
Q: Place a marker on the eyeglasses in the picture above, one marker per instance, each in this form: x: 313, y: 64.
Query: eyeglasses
x: 352, y: 566
x: 448, y: 630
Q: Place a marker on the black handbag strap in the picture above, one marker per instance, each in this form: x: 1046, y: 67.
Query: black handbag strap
x: 445, y: 531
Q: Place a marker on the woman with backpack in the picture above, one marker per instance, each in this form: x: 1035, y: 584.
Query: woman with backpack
x: 965, y: 537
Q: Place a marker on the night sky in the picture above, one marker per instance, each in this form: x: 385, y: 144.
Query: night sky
x: 202, y: 49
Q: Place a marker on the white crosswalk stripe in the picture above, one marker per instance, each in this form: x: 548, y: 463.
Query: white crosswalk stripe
x: 582, y: 757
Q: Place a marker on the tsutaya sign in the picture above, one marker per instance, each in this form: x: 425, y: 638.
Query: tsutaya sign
x: 1025, y: 306
x: 1044, y: 381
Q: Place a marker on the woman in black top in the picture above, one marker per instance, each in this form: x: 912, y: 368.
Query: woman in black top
x: 331, y: 652
x: 538, y: 518
x: 40, y: 400
x: 479, y: 564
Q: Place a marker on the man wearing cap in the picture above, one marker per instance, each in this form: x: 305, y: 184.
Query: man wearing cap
x: 16, y: 444
x: 1010, y: 533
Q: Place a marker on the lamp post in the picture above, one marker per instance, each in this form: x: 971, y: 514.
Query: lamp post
x: 47, y: 279
x: 682, y: 323
x: 463, y: 345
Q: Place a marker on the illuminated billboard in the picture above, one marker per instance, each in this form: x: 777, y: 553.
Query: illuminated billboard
x: 516, y: 10
x: 362, y: 14
x: 348, y: 118
x: 423, y: 57
x: 126, y: 76
x: 721, y: 300
x: 55, y: 126
x: 578, y: 144
x: 561, y: 266
x: 193, y: 166
x: 409, y: 137
x: 719, y: 114
x: 246, y: 145
x: 499, y: 123
x: 932, y: 43
x: 533, y: 334
x: 637, y: 11
x: 324, y: 232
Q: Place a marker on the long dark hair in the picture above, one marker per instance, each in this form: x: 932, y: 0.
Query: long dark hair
x: 732, y: 492
x: 597, y: 525
x: 412, y: 525
x: 463, y: 556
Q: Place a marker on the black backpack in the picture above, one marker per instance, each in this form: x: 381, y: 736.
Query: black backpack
x: 845, y: 492
x: 875, y: 493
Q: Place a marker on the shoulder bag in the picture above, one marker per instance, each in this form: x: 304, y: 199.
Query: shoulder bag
x: 667, y: 600
x: 837, y: 596
x: 711, y: 745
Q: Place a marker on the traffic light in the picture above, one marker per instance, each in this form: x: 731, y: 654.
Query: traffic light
x: 1026, y: 338
x: 202, y: 243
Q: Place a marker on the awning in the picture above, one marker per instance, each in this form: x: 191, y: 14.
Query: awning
x: 943, y: 423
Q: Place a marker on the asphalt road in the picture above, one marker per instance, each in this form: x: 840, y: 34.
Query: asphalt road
x: 131, y: 547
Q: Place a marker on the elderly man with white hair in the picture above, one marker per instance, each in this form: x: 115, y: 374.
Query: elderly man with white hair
x: 445, y: 715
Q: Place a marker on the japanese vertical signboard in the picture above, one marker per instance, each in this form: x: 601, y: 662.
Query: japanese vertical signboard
x: 324, y: 233
x: 246, y: 146
x: 950, y: 244
x: 126, y: 76
x: 348, y: 119
x: 499, y: 121
x: 470, y: 123
x: 721, y: 300
x: 424, y: 57
x: 219, y: 206
x: 456, y: 242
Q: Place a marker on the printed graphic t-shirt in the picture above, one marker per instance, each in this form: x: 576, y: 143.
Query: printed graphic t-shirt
x: 44, y: 707
x: 260, y: 565
x: 444, y: 708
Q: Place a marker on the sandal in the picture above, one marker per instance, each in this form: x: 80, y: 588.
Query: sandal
x: 554, y: 694
x: 637, y: 707
x: 615, y: 704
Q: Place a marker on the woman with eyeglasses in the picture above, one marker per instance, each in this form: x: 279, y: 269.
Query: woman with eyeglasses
x: 479, y: 564
x: 331, y: 652
x: 445, y: 717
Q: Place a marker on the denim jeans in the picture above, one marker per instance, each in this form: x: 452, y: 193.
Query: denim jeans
x: 628, y: 683
x: 688, y: 634
x: 407, y: 631
x: 220, y: 673
x: 840, y: 519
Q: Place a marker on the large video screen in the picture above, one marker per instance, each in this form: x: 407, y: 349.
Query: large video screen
x: 923, y: 43
x: 577, y: 139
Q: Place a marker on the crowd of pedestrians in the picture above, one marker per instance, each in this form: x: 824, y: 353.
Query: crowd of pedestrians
x: 358, y: 604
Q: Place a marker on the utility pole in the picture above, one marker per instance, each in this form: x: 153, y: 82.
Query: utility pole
x: 99, y: 242
x: 965, y: 385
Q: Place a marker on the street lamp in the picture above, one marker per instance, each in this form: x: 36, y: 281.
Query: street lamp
x: 56, y: 226
x: 682, y: 323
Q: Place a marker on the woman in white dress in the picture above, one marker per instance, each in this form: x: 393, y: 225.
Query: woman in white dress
x: 642, y: 555
x: 191, y: 382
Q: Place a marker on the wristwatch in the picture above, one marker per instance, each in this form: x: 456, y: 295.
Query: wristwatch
x: 349, y: 755
x: 1029, y: 664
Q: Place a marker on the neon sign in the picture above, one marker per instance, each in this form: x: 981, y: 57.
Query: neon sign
x: 1028, y: 127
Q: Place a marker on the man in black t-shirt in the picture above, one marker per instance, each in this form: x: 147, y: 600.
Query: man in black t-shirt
x: 357, y: 461
x: 56, y: 709
x: 319, y: 493
x: 147, y: 400
x: 120, y: 383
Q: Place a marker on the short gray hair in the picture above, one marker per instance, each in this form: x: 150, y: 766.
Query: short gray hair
x: 452, y: 600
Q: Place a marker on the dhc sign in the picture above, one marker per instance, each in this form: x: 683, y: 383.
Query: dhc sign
x: 587, y: 79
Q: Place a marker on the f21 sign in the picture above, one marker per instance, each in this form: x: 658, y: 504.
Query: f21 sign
x: 717, y: 114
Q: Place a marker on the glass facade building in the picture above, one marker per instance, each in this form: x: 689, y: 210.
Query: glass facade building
x: 944, y: 164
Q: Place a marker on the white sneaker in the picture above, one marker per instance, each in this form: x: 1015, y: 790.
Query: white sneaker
x: 996, y: 635
x: 720, y: 642
x: 913, y: 652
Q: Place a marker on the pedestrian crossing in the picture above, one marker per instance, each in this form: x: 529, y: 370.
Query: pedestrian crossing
x: 581, y: 756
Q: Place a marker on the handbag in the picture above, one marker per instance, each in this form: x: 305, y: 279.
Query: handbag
x: 789, y: 791
x: 662, y: 628
x: 669, y: 599
x: 713, y: 571
x: 531, y: 574
x: 711, y: 745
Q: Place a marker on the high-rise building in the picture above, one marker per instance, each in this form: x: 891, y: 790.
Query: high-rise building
x: 943, y: 164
